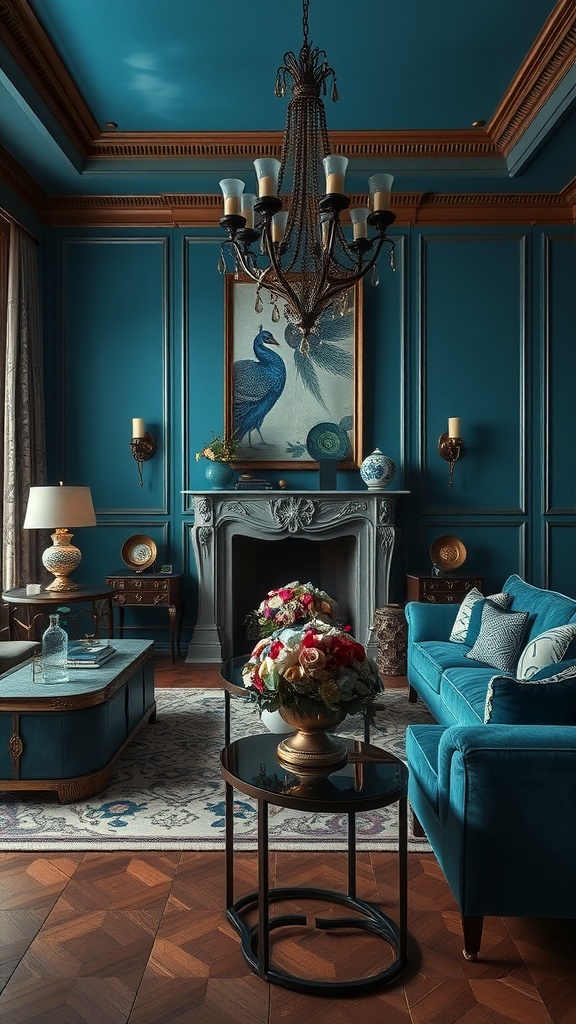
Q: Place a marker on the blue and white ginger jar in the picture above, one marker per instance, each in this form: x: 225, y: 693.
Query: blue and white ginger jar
x: 377, y: 470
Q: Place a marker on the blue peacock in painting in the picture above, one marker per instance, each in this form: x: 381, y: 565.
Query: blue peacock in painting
x: 258, y: 384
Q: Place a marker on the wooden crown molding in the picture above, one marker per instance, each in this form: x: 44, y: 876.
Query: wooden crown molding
x: 467, y: 143
x: 546, y: 63
x: 204, y: 211
x: 25, y: 38
x: 548, y: 60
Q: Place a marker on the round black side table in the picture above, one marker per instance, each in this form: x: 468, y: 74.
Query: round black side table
x: 372, y: 778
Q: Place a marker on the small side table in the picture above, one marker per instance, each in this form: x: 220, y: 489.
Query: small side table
x: 372, y: 778
x: 449, y: 589
x: 38, y: 607
x: 150, y: 590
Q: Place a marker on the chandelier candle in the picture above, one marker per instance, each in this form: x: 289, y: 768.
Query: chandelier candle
x: 335, y: 171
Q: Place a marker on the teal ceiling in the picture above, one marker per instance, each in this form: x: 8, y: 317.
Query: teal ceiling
x: 192, y: 66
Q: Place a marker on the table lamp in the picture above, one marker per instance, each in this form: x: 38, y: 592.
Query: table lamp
x: 49, y: 506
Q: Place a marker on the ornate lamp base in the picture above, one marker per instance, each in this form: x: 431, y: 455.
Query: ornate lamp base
x: 61, y: 560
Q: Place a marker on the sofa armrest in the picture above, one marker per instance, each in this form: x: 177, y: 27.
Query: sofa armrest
x: 430, y: 621
x: 498, y: 804
x: 495, y: 776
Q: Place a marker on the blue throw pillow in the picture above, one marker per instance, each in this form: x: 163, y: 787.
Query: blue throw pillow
x: 549, y: 700
x: 500, y: 638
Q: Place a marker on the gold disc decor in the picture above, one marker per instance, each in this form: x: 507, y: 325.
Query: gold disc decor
x: 312, y: 752
x: 448, y: 552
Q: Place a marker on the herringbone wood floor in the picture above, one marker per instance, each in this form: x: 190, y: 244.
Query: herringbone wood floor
x: 141, y: 938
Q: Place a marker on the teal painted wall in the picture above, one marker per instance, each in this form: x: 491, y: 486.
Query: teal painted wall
x: 477, y: 322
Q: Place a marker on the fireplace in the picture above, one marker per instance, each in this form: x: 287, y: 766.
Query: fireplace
x: 247, y: 543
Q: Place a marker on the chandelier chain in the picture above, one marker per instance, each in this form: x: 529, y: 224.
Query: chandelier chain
x: 311, y: 263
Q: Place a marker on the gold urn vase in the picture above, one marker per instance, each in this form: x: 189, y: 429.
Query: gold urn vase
x: 312, y: 752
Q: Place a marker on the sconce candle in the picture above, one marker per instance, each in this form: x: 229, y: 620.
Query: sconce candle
x: 138, y: 428
x: 454, y: 426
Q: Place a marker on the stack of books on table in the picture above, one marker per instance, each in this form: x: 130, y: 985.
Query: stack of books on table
x: 86, y: 654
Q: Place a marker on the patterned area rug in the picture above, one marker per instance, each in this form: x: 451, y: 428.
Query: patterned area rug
x: 167, y: 791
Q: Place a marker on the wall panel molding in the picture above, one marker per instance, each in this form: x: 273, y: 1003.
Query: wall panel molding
x: 558, y: 456
x: 424, y: 357
x: 162, y: 461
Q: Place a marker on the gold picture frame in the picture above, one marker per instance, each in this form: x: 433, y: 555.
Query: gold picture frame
x: 284, y: 394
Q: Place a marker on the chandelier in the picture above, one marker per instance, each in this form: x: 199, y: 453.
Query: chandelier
x: 310, y: 265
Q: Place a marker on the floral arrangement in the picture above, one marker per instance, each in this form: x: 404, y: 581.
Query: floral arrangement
x: 220, y: 449
x: 315, y: 668
x: 289, y: 605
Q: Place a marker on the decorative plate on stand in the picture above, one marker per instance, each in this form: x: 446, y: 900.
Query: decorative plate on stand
x: 139, y: 552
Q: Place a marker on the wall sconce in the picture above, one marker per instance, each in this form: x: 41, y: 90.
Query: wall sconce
x: 450, y: 445
x: 142, y: 444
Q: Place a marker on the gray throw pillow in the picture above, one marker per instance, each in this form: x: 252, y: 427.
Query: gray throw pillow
x: 500, y: 638
x: 461, y: 628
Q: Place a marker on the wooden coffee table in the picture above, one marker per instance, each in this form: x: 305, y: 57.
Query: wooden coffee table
x: 66, y: 737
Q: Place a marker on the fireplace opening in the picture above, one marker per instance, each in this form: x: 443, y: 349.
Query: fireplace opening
x: 260, y: 565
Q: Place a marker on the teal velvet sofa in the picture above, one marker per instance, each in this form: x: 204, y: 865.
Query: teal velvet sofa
x: 493, y: 785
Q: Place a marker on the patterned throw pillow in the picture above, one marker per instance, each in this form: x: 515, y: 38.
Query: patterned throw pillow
x: 500, y: 637
x: 545, y: 649
x: 462, y: 623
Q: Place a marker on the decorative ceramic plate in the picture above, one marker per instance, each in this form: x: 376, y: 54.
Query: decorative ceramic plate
x: 327, y: 441
x: 139, y: 552
x: 449, y: 552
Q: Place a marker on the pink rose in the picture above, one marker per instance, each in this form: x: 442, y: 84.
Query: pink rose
x: 312, y: 660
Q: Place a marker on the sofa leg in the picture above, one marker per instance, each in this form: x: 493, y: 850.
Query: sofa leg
x: 412, y: 695
x: 417, y: 827
x: 472, y: 930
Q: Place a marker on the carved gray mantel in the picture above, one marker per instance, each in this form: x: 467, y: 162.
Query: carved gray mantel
x: 221, y: 516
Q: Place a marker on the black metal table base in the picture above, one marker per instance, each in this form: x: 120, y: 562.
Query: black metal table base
x: 371, y: 919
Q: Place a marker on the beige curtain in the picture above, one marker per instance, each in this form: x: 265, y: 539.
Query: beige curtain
x: 23, y: 437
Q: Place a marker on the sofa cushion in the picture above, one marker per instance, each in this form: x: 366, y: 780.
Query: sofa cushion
x: 467, y: 623
x: 463, y: 692
x: 431, y: 657
x: 547, y: 608
x: 500, y: 638
x: 547, y: 701
x: 546, y: 649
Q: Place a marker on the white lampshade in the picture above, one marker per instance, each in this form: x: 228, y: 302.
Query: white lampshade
x: 49, y: 507
x: 57, y: 508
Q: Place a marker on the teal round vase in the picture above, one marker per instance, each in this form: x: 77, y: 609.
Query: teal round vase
x: 218, y: 475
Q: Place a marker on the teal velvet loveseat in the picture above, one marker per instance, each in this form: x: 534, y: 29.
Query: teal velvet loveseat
x: 493, y: 785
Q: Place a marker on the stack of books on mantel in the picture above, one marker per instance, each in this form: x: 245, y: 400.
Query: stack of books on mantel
x: 88, y: 654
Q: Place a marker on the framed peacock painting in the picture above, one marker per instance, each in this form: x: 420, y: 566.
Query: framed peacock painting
x: 285, y: 405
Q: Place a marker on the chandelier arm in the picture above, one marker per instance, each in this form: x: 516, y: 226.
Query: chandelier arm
x: 247, y: 266
x: 285, y: 288
x: 335, y: 284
